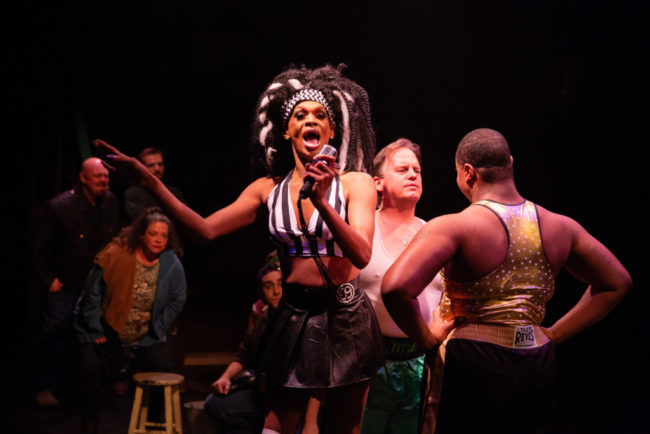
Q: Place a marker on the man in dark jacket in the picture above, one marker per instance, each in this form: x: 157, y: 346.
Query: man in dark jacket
x: 70, y: 229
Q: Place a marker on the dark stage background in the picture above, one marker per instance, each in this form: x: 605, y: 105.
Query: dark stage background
x: 560, y: 80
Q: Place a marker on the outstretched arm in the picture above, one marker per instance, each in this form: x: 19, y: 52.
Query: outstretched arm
x: 240, y: 213
x: 608, y: 281
x: 430, y: 249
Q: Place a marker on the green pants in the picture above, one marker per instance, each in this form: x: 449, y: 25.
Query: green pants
x: 393, y: 404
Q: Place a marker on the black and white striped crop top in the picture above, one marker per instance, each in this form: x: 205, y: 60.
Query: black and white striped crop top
x: 285, y: 227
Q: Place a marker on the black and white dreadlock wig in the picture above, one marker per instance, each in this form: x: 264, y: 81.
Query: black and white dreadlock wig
x: 347, y: 106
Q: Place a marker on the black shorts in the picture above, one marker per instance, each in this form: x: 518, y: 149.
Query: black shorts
x: 488, y: 388
x: 317, y: 338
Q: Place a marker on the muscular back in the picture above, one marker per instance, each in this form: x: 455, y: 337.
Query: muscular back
x: 470, y: 244
x: 482, y: 242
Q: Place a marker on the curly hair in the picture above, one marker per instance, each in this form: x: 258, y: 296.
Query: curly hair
x: 131, y: 236
x: 354, y: 136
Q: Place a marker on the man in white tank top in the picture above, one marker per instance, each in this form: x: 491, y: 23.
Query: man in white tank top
x: 394, y: 402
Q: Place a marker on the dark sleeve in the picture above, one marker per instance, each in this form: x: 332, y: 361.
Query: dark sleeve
x: 134, y: 202
x: 88, y: 312
x: 251, y: 340
x: 178, y: 193
x: 176, y: 300
x: 42, y: 236
x: 117, y: 217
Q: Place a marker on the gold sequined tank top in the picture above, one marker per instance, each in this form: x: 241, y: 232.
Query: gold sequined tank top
x: 516, y: 292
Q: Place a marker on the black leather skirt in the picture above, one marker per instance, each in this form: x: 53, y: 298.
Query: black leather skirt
x: 321, y: 338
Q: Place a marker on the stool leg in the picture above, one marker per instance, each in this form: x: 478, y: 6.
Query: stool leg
x: 144, y: 409
x: 178, y: 421
x: 133, y: 422
x: 169, y: 419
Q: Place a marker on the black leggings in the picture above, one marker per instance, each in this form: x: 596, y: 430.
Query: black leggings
x: 94, y: 374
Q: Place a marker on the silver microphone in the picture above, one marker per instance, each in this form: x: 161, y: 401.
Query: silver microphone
x: 305, y: 190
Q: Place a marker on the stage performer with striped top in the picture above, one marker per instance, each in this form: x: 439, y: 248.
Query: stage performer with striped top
x: 323, y: 339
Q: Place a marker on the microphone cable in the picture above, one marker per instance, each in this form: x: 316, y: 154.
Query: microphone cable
x: 311, y: 241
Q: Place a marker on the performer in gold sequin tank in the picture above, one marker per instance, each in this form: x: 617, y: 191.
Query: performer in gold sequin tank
x: 515, y: 292
x: 499, y: 259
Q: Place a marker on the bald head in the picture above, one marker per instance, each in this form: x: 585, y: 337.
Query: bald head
x: 488, y: 152
x: 93, y: 178
x: 90, y: 163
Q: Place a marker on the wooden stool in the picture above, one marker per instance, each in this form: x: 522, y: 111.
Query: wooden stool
x: 171, y: 384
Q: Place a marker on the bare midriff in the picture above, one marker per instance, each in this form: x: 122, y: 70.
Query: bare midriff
x: 304, y: 271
